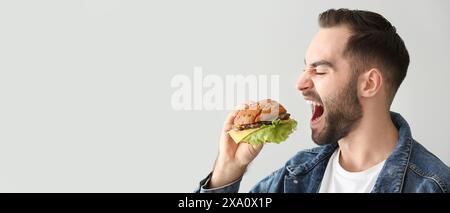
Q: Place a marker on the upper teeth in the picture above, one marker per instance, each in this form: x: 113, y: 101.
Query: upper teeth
x: 313, y: 103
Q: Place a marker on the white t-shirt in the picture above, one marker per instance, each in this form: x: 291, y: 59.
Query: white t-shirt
x: 337, y: 180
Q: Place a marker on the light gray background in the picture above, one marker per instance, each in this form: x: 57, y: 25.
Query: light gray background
x: 85, y: 86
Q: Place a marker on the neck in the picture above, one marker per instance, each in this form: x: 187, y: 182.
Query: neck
x: 371, y: 142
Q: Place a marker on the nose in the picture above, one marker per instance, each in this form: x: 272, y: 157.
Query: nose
x: 304, y: 81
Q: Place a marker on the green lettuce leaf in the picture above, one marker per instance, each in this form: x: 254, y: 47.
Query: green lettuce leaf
x: 277, y: 132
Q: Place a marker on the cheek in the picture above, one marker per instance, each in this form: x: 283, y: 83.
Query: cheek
x: 329, y: 85
x: 323, y: 87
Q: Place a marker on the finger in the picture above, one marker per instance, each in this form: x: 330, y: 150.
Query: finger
x: 258, y: 147
x: 248, y: 152
x: 230, y: 120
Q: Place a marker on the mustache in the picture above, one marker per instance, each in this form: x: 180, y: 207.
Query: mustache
x: 313, y: 95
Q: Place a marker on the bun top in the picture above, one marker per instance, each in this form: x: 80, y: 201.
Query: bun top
x: 253, y: 112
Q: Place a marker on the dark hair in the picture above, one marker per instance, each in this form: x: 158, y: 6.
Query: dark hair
x: 374, y: 42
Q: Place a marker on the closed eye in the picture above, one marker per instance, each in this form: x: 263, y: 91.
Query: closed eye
x: 321, y: 70
x: 317, y: 70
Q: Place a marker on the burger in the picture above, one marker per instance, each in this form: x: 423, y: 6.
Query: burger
x: 265, y: 121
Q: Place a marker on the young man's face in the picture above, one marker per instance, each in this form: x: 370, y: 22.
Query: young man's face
x: 330, y: 83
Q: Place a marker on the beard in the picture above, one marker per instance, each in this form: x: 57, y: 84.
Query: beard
x: 343, y: 112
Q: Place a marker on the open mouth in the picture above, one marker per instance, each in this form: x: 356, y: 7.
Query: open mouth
x: 317, y: 110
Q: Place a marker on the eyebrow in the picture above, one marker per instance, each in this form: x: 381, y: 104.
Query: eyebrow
x: 320, y: 62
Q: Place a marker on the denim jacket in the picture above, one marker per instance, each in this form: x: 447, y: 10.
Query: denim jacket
x: 410, y: 168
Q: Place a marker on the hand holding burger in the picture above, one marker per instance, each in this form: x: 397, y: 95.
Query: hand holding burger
x: 243, y: 135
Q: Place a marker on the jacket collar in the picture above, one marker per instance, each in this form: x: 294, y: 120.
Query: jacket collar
x: 323, y: 153
x: 392, y: 175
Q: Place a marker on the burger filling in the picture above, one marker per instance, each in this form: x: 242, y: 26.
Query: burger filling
x: 258, y: 124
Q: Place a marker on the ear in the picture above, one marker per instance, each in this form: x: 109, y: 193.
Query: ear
x: 370, y: 83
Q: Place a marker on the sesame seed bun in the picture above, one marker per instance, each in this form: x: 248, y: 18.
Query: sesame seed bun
x: 254, y: 112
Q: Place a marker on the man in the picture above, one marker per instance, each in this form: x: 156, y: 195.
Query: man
x: 354, y: 66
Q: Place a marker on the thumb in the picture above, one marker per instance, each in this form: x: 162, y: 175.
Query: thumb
x: 258, y: 147
x: 255, y: 149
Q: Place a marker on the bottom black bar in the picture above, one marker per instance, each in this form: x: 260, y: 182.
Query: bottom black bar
x: 210, y: 202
